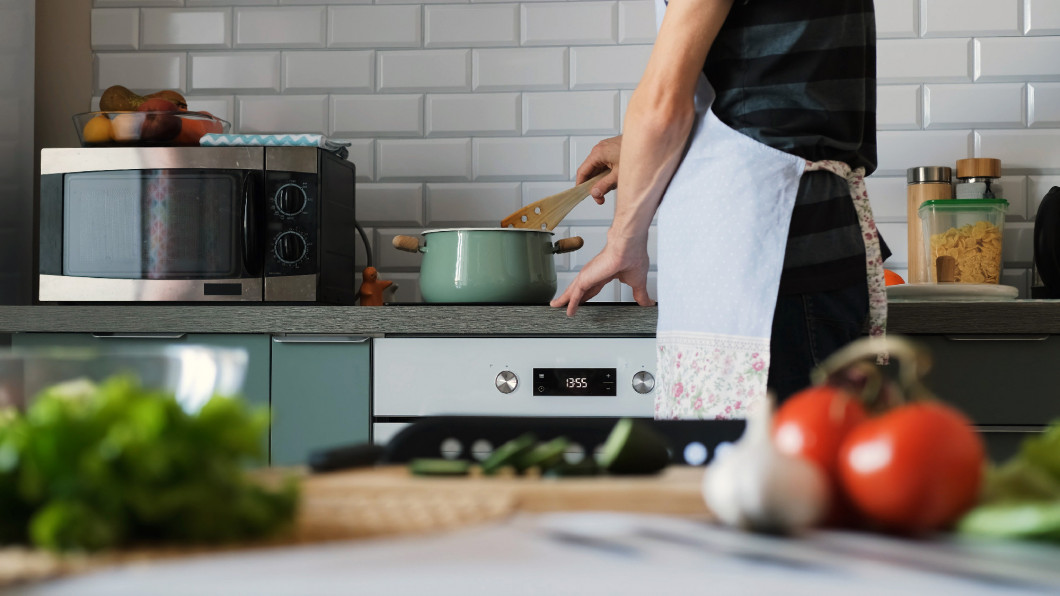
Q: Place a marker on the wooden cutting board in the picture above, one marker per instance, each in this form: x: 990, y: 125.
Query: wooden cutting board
x: 387, y: 500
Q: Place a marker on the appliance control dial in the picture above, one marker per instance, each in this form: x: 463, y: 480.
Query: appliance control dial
x: 290, y: 199
x: 507, y: 381
x: 290, y: 247
x: 643, y: 382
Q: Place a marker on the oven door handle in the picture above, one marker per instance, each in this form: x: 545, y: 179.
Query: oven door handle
x: 251, y: 232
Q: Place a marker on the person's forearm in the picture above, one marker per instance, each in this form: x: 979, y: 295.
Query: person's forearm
x: 661, y: 112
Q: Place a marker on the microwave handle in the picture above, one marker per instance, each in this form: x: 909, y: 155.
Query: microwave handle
x: 252, y: 254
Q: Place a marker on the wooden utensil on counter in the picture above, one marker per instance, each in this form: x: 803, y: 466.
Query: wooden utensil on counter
x: 549, y: 211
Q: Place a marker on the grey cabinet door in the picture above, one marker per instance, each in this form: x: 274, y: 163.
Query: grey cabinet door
x: 320, y: 394
x: 255, y: 388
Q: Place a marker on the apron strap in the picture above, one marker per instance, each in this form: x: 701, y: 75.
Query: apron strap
x: 873, y: 255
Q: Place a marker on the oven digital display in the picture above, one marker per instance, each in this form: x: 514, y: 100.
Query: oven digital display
x: 574, y: 381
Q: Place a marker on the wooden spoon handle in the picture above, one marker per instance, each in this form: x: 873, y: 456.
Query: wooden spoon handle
x: 549, y: 211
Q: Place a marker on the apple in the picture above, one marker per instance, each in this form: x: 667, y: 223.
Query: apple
x: 159, y: 126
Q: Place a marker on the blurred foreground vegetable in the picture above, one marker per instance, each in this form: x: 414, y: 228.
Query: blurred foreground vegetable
x: 92, y: 467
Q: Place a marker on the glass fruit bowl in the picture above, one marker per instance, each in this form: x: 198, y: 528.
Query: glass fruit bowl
x: 191, y: 373
x: 147, y: 128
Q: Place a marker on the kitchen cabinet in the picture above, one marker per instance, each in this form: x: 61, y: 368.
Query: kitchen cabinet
x: 320, y: 394
x: 255, y: 388
x: 1006, y: 383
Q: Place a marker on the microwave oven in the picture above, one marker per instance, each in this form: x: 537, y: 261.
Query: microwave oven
x: 190, y: 224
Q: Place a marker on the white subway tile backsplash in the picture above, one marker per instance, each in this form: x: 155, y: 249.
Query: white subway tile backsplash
x: 1042, y: 17
x: 1018, y: 278
x: 520, y: 69
x: 105, y: 3
x: 329, y: 71
x: 916, y: 60
x: 587, y: 212
x: 608, y: 67
x: 424, y: 70
x: 1014, y: 190
x: 1028, y: 149
x: 115, y: 29
x: 377, y: 115
x: 423, y: 159
x: 362, y: 155
x: 961, y: 18
x: 569, y: 23
x: 888, y: 196
x: 1017, y: 58
x: 459, y: 26
x: 900, y: 150
x: 898, y: 107
x: 1017, y: 244
x: 390, y: 204
x: 390, y: 258
x: 141, y: 72
x: 236, y: 71
x: 896, y: 235
x: 1037, y: 188
x: 580, y: 147
x: 474, y: 114
x: 595, y: 238
x: 374, y: 26
x: 471, y: 204
x: 980, y: 105
x: 166, y: 28
x: 528, y: 158
x: 636, y: 21
x: 897, y: 19
x: 585, y: 112
x: 222, y: 106
x: 406, y: 286
x: 360, y: 260
x: 280, y: 114
x: 281, y: 27
x: 1043, y: 105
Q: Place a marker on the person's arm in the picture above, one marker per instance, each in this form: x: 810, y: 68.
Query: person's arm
x: 657, y: 124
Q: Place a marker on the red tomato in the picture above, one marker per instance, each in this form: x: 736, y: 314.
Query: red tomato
x: 812, y: 424
x: 914, y: 469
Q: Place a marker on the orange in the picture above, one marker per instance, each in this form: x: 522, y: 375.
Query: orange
x: 98, y: 130
x: 191, y: 130
x: 891, y: 278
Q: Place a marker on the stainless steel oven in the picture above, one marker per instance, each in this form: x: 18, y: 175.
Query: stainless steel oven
x: 176, y: 224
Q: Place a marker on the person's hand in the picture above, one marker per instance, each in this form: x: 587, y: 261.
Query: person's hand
x: 627, y: 262
x: 603, y: 155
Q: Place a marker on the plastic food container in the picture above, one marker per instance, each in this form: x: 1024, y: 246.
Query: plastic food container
x: 968, y: 230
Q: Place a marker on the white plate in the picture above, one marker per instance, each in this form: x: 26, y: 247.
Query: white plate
x: 952, y: 291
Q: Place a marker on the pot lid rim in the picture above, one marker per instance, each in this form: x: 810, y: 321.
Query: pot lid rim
x: 425, y: 232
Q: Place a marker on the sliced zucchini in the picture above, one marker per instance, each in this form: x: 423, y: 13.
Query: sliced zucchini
x: 1031, y: 519
x: 439, y: 467
x: 564, y: 469
x: 544, y: 455
x: 509, y: 453
x: 634, y: 447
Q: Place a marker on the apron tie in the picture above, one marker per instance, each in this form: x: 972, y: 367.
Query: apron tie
x: 873, y: 255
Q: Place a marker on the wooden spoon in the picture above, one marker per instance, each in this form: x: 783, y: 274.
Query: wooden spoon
x: 547, y: 213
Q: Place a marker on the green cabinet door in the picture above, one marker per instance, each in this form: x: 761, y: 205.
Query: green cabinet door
x: 320, y: 394
x: 255, y: 388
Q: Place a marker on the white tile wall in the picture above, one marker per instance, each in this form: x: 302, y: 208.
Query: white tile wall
x: 459, y: 111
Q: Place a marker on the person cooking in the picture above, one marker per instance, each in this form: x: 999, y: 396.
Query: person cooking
x: 748, y: 136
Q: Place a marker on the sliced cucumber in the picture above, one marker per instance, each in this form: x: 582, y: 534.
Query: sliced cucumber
x: 633, y: 447
x: 509, y: 453
x: 1034, y: 519
x: 439, y: 467
x: 586, y: 467
x: 545, y: 455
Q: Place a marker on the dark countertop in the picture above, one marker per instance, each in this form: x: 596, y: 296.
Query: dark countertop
x: 617, y: 319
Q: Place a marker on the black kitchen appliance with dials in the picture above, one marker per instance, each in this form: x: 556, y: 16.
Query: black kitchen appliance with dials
x: 191, y: 224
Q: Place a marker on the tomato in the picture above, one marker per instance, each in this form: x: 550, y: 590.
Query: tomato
x: 812, y: 424
x: 914, y: 469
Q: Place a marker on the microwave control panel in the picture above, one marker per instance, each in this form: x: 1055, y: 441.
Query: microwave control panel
x: 291, y: 223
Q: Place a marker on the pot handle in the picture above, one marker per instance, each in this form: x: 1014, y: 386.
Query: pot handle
x: 408, y: 243
x: 568, y: 244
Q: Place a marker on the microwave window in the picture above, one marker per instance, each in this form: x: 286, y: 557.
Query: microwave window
x: 152, y: 224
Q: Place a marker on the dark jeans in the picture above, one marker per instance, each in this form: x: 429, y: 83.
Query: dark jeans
x: 807, y: 328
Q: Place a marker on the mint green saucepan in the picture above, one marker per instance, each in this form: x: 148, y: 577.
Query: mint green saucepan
x: 488, y: 265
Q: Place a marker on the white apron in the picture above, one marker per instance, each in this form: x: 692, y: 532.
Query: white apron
x: 723, y: 228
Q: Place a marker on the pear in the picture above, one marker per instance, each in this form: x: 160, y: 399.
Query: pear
x: 119, y: 99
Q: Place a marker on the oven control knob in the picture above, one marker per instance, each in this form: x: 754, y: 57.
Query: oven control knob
x: 290, y: 247
x: 507, y: 381
x: 290, y: 199
x: 643, y: 382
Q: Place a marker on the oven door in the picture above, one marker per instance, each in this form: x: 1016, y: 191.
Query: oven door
x: 151, y: 224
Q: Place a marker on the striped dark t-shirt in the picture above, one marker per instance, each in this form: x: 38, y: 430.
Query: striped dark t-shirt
x: 801, y: 77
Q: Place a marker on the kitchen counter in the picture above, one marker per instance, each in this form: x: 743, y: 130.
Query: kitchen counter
x: 617, y: 319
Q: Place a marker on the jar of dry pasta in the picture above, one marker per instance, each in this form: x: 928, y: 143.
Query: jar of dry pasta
x: 969, y: 231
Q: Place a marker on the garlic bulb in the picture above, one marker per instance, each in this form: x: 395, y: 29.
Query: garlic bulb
x: 754, y: 486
